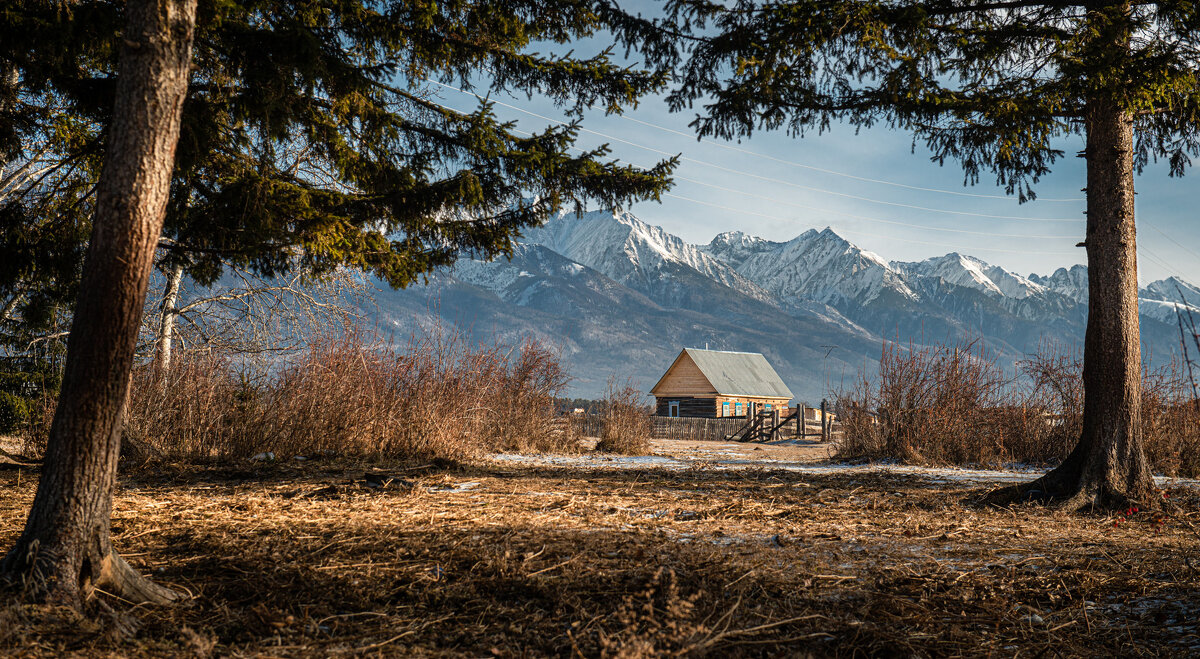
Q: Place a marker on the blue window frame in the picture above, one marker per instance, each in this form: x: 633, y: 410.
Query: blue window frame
x: 737, y: 409
x: 725, y: 408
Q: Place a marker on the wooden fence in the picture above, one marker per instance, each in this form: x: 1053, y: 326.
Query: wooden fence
x: 695, y: 429
x: 586, y: 425
x: 590, y: 425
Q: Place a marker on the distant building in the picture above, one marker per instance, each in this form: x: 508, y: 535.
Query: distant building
x: 715, y: 383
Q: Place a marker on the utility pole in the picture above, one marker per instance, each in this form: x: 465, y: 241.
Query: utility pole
x: 825, y: 368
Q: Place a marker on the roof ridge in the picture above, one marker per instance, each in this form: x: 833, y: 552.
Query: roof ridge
x: 730, y: 352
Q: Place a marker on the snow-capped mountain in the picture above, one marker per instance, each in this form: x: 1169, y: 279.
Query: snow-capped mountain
x: 643, y: 257
x: 622, y: 297
x: 970, y: 272
x: 1072, y: 283
x: 820, y: 266
x: 1167, y: 299
x: 1172, y: 289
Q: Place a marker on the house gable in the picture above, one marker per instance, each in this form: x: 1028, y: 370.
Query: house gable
x: 684, y: 378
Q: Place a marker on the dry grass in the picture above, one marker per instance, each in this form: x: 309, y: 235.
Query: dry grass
x: 625, y: 425
x: 352, y: 393
x: 955, y: 405
x: 309, y: 559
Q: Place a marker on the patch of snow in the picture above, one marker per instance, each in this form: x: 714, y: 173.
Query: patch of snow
x: 1167, y: 312
x: 1017, y: 474
x: 823, y: 267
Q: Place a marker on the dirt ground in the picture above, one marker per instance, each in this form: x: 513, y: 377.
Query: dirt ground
x: 702, y: 549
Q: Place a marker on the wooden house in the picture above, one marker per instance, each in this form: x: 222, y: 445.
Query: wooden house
x: 715, y: 384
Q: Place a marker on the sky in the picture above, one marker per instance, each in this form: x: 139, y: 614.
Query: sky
x: 873, y: 188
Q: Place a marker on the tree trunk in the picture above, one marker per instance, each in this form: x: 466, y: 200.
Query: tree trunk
x: 65, y: 552
x: 166, y: 326
x: 1108, y: 467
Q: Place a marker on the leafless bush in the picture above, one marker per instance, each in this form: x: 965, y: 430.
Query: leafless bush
x: 522, y: 413
x: 1171, y: 420
x: 927, y: 405
x: 245, y: 314
x: 953, y: 405
x: 351, y: 393
x: 625, y: 421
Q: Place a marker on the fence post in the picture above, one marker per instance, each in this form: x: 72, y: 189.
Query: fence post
x: 824, y: 424
x: 800, y: 429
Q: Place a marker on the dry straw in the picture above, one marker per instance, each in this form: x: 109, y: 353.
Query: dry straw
x: 352, y: 393
x: 953, y: 404
x: 624, y: 421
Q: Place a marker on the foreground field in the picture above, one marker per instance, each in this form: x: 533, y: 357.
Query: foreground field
x: 705, y: 549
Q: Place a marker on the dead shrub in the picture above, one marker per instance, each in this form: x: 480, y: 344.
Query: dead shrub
x: 658, y: 621
x: 953, y: 405
x: 1171, y: 420
x: 934, y: 405
x: 352, y: 393
x: 522, y: 415
x: 625, y: 425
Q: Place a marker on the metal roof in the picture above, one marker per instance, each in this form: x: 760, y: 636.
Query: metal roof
x: 739, y: 373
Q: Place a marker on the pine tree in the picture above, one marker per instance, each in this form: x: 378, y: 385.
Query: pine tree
x: 993, y: 84
x: 312, y: 136
x: 65, y: 549
x: 307, y: 136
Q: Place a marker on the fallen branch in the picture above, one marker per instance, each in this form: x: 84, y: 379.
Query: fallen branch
x: 8, y: 459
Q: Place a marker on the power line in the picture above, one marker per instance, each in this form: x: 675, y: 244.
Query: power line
x: 880, y: 201
x: 869, y: 219
x: 1149, y: 254
x: 1178, y: 244
x: 833, y: 212
x: 835, y: 173
x: 874, y: 235
x: 844, y: 214
x: 771, y: 179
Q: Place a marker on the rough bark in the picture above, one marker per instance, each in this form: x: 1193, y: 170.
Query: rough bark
x: 1108, y: 468
x: 65, y: 552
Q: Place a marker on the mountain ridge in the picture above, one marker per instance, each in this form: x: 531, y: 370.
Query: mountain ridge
x: 622, y: 297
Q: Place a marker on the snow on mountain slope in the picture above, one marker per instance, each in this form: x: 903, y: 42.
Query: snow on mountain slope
x: 1163, y: 299
x: 954, y: 269
x: 816, y: 265
x: 1173, y: 289
x: 822, y: 268
x: 1158, y: 300
x: 962, y: 270
x: 633, y: 252
x: 1013, y: 285
x: 503, y: 275
x: 1166, y: 311
x: 734, y: 247
x: 538, y: 277
x: 1071, y: 283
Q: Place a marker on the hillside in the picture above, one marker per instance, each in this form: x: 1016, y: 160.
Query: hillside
x: 621, y: 297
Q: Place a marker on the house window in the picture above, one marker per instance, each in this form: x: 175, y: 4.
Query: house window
x: 673, y: 408
x: 737, y: 409
x: 725, y: 408
x: 767, y: 407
